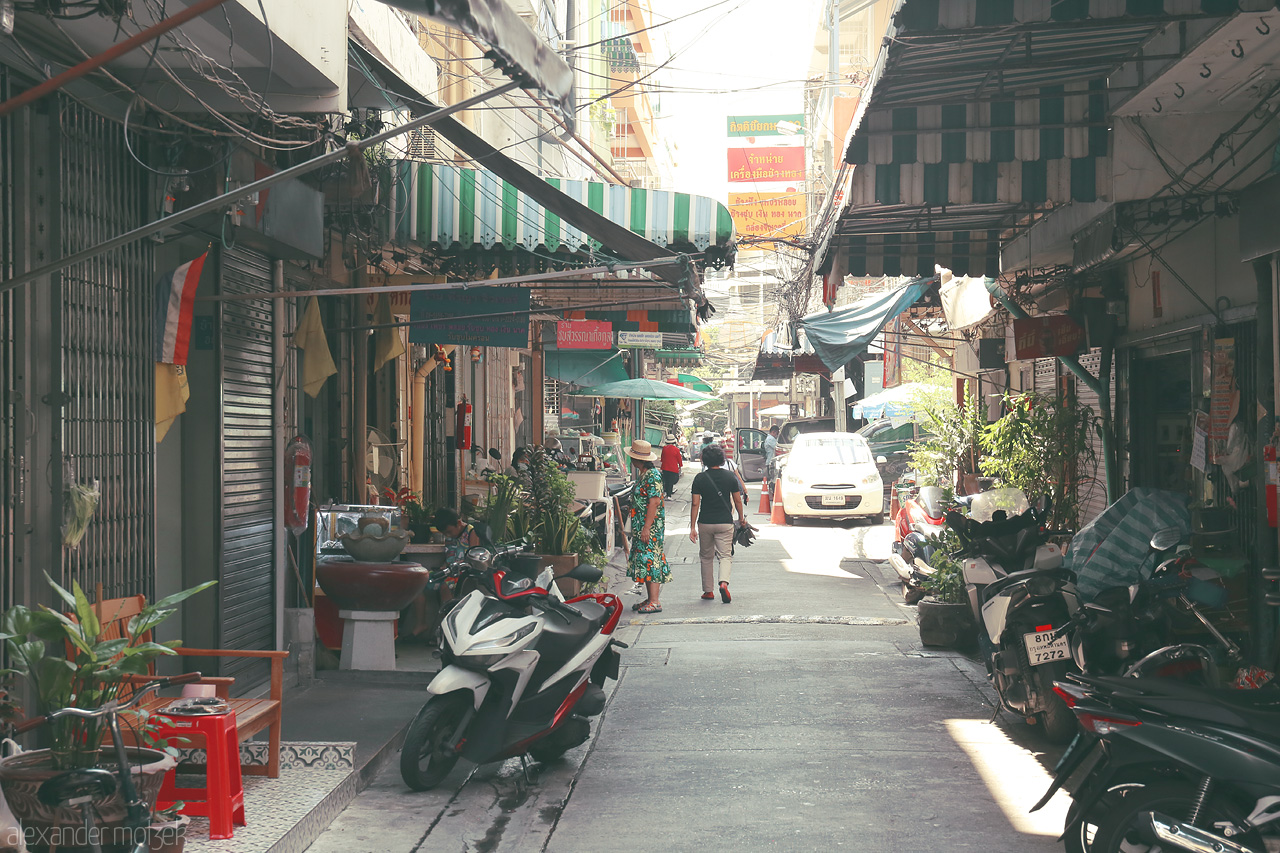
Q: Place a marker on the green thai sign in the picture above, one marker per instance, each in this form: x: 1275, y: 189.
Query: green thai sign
x: 766, y: 125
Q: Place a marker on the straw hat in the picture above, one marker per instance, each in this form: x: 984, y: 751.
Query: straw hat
x: 671, y: 439
x: 642, y: 450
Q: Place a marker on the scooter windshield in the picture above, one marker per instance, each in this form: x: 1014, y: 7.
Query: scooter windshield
x: 985, y: 505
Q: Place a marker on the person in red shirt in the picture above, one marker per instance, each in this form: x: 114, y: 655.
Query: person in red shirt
x: 672, y: 464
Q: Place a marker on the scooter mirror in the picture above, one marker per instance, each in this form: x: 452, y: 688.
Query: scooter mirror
x: 1165, y: 538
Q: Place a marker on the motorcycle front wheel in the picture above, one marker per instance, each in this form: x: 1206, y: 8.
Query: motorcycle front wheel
x: 1123, y: 829
x: 427, y: 757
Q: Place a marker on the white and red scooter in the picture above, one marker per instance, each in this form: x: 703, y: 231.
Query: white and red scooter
x: 522, y: 671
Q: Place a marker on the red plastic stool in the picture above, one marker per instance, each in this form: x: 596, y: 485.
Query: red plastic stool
x: 222, y: 798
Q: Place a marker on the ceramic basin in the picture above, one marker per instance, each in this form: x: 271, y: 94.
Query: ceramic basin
x: 355, y: 585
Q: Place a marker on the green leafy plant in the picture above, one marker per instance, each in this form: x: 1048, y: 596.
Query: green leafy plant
x: 415, y: 511
x: 548, y: 494
x: 947, y: 581
x: 953, y: 449
x: 71, y: 663
x: 1039, y: 446
x: 557, y: 533
x: 498, y: 510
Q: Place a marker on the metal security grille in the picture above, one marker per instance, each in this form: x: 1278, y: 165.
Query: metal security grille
x: 1047, y: 376
x: 108, y: 373
x: 246, y: 596
x: 10, y: 452
x: 1093, y: 488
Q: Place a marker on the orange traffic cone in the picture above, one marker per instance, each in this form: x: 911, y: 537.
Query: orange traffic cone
x: 779, y: 516
x: 765, y: 507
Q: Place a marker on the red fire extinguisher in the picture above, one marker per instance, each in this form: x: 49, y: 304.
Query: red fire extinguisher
x: 464, y: 425
x: 1273, y: 480
x: 297, y: 478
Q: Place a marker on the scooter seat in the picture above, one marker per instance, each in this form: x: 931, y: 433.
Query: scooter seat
x: 1255, y: 710
x: 563, y: 635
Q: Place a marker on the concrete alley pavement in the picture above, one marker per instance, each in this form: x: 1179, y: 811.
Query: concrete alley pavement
x: 804, y: 715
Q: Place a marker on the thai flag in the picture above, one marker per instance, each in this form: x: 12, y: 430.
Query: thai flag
x: 175, y: 298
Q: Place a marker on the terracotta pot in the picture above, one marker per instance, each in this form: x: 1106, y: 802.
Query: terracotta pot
x: 355, y: 585
x: 21, y: 776
x: 944, y: 624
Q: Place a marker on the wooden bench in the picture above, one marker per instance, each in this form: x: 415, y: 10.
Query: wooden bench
x: 252, y: 715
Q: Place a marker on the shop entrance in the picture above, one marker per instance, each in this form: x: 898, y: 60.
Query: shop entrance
x: 1161, y: 425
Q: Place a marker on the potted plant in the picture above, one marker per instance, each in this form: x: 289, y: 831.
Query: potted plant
x: 69, y: 662
x: 415, y: 513
x: 944, y: 615
x: 547, y: 518
x: 168, y: 830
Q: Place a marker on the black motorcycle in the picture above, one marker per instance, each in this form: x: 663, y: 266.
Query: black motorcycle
x: 1171, y: 766
x: 1132, y: 630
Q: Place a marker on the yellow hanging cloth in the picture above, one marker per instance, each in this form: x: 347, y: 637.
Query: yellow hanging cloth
x: 317, y: 363
x: 172, y: 393
x: 387, y: 341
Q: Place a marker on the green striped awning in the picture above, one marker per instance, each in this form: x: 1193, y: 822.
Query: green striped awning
x: 466, y: 208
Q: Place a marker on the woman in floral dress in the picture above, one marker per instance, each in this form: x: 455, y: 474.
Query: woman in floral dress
x: 648, y: 563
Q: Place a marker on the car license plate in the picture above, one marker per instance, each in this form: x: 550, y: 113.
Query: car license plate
x: 1042, y: 648
x: 833, y: 500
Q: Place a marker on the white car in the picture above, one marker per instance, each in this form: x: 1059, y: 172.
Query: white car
x: 831, y: 475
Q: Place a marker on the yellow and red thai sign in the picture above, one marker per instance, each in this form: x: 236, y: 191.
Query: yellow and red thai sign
x: 768, y: 214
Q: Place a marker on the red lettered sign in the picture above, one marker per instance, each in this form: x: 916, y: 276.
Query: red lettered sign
x: 584, y: 334
x: 1038, y: 337
x: 766, y: 164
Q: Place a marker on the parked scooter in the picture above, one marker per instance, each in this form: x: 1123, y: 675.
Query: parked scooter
x: 522, y: 670
x: 1129, y: 630
x: 1020, y: 595
x: 1174, y: 767
x: 921, y: 516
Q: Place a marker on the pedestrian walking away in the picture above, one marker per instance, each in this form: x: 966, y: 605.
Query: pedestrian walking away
x: 648, y: 563
x: 717, y: 493
x: 672, y: 464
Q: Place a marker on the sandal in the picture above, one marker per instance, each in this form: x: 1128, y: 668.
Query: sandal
x: 649, y: 608
x: 638, y: 605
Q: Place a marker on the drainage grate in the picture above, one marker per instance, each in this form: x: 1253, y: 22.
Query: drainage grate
x: 645, y: 657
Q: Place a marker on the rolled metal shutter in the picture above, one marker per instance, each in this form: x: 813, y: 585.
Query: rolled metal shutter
x: 1047, y: 376
x: 1093, y: 484
x: 246, y: 596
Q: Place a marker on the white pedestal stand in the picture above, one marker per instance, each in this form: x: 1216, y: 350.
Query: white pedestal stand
x: 368, y: 639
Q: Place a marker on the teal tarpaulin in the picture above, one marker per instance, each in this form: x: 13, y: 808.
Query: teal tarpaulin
x: 584, y: 367
x: 840, y: 336
x: 1114, y: 549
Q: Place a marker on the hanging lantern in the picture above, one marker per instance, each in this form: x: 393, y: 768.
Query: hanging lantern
x: 475, y: 355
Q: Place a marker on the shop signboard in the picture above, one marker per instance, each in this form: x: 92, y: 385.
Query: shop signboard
x: 777, y: 163
x: 584, y: 334
x: 768, y: 214
x: 1051, y: 335
x: 766, y: 125
x: 640, y: 340
x: 479, y: 316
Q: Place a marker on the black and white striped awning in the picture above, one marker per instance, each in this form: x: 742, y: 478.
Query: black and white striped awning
x: 983, y: 115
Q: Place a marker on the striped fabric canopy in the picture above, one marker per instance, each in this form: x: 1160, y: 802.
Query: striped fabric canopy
x: 465, y: 208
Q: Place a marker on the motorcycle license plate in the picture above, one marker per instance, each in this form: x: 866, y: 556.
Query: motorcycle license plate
x: 1042, y: 648
x: 833, y: 500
